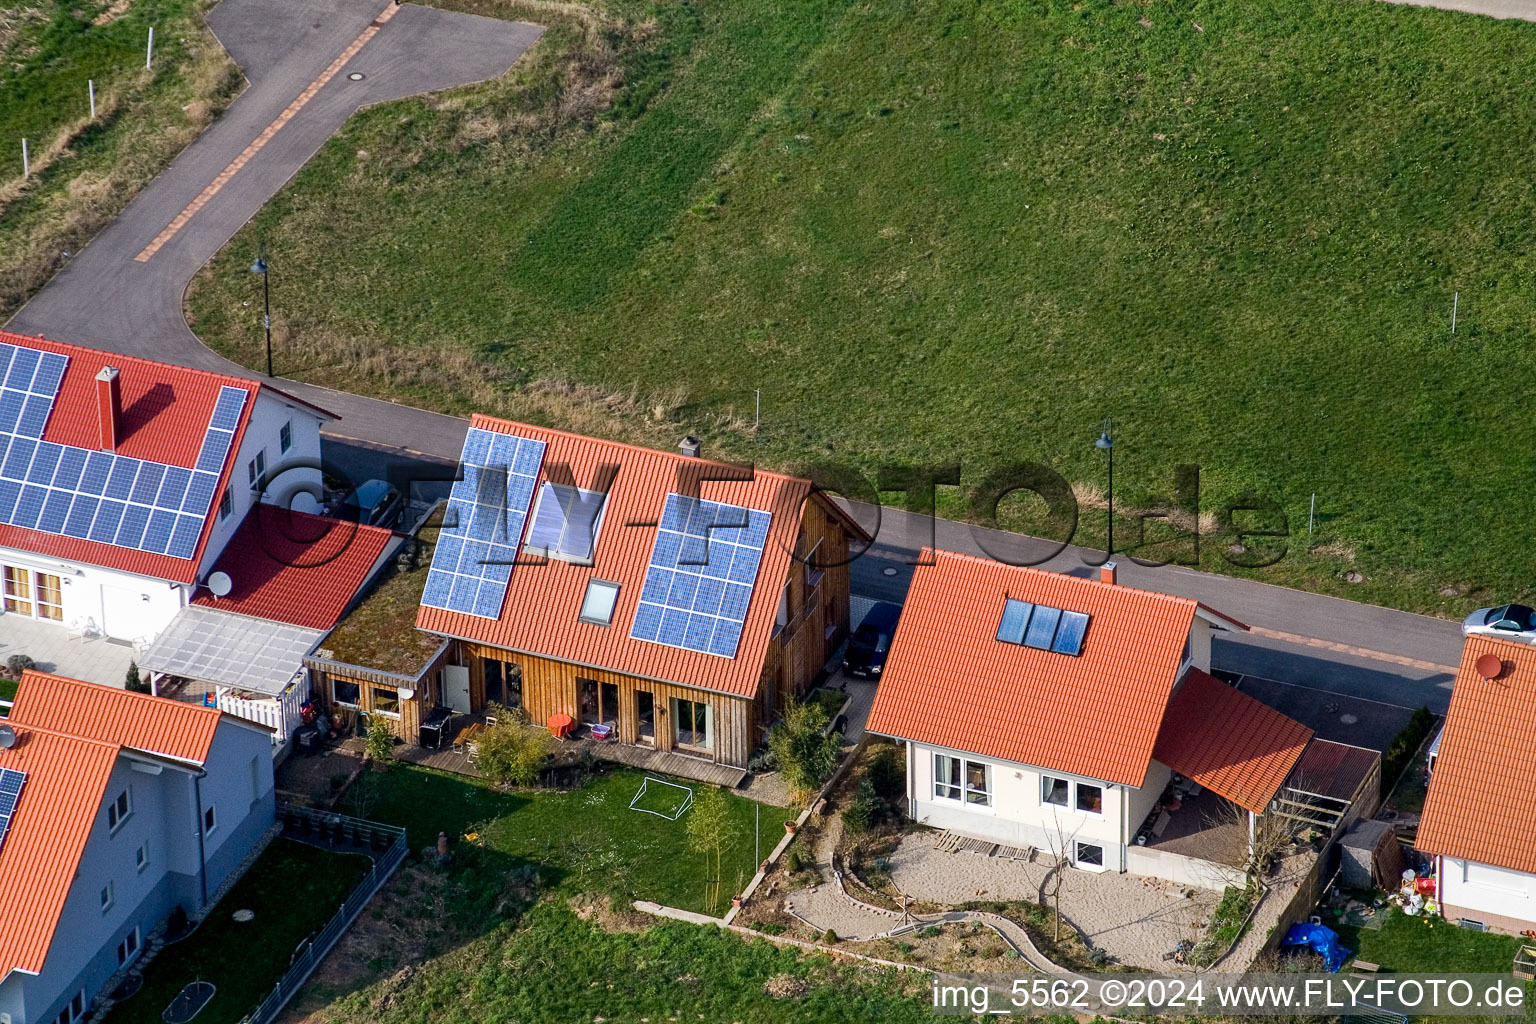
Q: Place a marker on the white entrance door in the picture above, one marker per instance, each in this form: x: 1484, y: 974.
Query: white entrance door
x: 456, y: 687
x: 125, y: 614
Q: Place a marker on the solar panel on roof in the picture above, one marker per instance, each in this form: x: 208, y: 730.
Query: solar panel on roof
x: 1015, y: 618
x: 699, y: 582
x: 11, y: 783
x: 1043, y: 627
x: 483, y: 525
x: 147, y: 505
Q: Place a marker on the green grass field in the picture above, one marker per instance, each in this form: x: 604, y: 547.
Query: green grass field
x: 938, y: 231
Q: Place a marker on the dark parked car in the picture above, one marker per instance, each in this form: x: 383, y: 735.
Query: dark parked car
x: 375, y: 503
x: 871, y: 642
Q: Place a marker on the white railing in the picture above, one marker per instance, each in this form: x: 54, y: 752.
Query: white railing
x: 280, y: 714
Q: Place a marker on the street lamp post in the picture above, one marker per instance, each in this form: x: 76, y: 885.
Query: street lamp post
x: 1107, y: 443
x: 260, y: 267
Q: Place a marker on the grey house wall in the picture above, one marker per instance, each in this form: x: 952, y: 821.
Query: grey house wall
x: 166, y: 820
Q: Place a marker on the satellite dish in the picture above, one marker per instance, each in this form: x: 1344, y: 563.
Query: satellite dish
x: 220, y: 584
x: 1490, y: 666
x: 7, y: 737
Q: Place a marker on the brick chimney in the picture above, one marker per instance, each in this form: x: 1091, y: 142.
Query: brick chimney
x: 109, y: 407
x: 1107, y: 572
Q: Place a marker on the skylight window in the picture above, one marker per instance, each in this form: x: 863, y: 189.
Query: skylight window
x: 597, y: 606
x: 1042, y: 627
x: 565, y: 523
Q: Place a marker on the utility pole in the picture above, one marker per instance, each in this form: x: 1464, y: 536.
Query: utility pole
x: 1107, y: 443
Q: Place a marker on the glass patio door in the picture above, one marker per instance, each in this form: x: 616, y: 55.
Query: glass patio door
x: 50, y: 597
x: 18, y: 590
x: 29, y: 593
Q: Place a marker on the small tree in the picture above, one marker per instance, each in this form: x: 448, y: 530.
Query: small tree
x: 134, y: 681
x: 865, y: 810
x: 807, y: 755
x: 1255, y: 846
x: 16, y: 664
x: 710, y: 829
x: 380, y: 747
x: 512, y: 754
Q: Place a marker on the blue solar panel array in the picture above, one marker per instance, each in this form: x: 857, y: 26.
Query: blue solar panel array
x: 700, y: 578
x: 99, y: 495
x: 487, y: 508
x: 1043, y: 627
x: 11, y: 782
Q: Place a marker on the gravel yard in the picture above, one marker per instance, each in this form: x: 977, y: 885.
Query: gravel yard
x: 1133, y: 919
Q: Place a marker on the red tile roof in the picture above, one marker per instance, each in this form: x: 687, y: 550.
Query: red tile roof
x: 166, y: 410
x: 153, y: 725
x: 69, y: 736
x: 1229, y: 742
x: 949, y: 682
x: 66, y: 780
x: 296, y: 568
x: 540, y: 612
x: 1482, y: 795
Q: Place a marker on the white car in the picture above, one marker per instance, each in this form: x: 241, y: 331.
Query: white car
x: 1510, y: 621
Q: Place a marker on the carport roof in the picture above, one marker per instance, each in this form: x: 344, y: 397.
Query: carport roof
x: 233, y: 650
x: 1229, y: 742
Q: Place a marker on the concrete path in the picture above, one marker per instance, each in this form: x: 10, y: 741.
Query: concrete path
x: 1521, y: 10
x: 123, y: 292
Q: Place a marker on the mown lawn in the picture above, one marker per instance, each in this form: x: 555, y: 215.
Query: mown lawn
x: 1409, y: 945
x: 84, y: 171
x: 585, y: 839
x: 293, y: 889
x: 936, y: 231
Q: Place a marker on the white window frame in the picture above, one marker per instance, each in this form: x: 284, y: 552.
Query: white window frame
x: 210, y: 813
x: 256, y: 469
x: 1077, y: 862
x: 595, y: 584
x: 354, y: 705
x: 119, y: 810
x: 226, y: 504
x: 1077, y: 799
x: 108, y: 896
x: 141, y: 857
x: 943, y: 791
x: 1045, y: 781
x: 125, y: 955
x: 285, y: 436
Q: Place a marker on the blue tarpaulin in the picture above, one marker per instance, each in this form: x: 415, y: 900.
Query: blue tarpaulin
x: 1324, y: 941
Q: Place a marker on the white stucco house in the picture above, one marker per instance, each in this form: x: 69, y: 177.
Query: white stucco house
x: 122, y: 480
x: 115, y: 808
x: 1479, y: 818
x: 1047, y: 711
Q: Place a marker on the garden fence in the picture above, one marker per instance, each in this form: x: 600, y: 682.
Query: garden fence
x: 308, y: 957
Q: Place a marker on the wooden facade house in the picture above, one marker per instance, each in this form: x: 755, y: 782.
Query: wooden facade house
x: 655, y: 598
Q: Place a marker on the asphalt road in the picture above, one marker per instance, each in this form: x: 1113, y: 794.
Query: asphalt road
x: 124, y: 291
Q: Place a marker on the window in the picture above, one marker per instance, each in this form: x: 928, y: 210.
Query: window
x: 18, y: 590
x: 141, y: 856
x: 108, y: 897
x: 958, y: 779
x: 77, y: 1004
x: 73, y: 1011
x: 692, y: 718
x: 226, y: 504
x: 1090, y: 799
x: 255, y: 776
x: 210, y: 821
x: 781, y: 617
x: 565, y: 523
x: 1089, y: 856
x: 285, y: 436
x: 597, y: 607
x: 386, y: 700
x: 129, y: 946
x: 345, y: 691
x: 256, y: 469
x: 1053, y: 790
x: 50, y: 597
x: 121, y: 808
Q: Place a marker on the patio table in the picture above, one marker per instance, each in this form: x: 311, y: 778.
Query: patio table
x: 430, y: 734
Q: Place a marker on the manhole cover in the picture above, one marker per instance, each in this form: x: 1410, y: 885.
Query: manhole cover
x: 356, y: 76
x: 1348, y: 719
x: 244, y: 915
x: 888, y: 571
